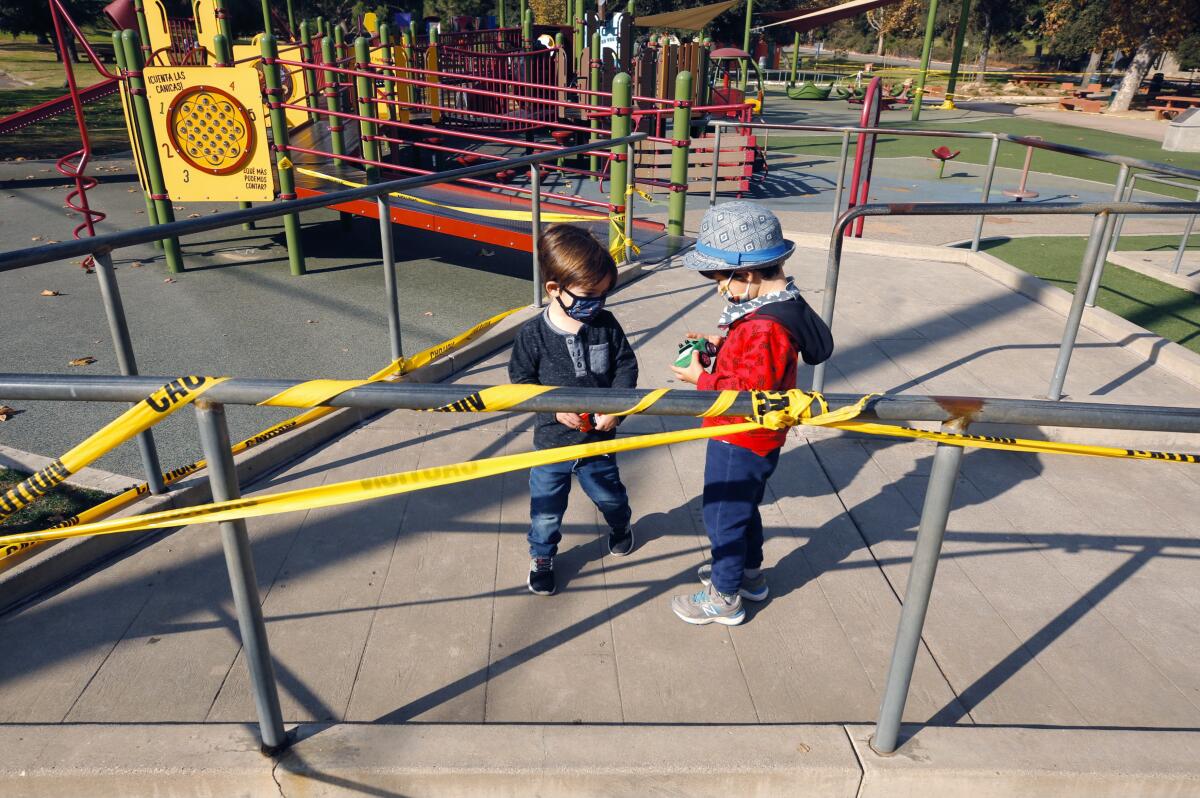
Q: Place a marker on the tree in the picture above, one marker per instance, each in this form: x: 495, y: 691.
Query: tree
x: 1142, y: 27
x: 33, y: 16
x: 999, y: 22
x: 904, y: 19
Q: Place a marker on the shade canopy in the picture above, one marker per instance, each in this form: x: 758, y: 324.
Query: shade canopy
x: 688, y: 18
x: 822, y: 17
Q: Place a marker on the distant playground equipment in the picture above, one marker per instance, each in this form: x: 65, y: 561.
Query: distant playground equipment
x: 307, y: 106
x: 943, y: 153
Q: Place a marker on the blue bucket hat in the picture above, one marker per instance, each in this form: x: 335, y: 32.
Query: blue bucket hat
x: 738, y: 235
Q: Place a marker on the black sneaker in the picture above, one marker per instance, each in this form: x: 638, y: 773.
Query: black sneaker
x: 620, y: 541
x: 541, y: 576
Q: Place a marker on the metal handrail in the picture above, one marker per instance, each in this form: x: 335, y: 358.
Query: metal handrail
x: 1088, y: 275
x: 418, y: 396
x: 32, y: 256
x: 1177, y: 261
x: 955, y: 413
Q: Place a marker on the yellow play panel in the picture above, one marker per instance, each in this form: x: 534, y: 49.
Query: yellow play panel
x: 210, y: 132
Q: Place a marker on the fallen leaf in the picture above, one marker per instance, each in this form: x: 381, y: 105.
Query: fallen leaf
x: 427, y: 313
x: 35, y: 238
x: 82, y: 361
x: 130, y: 190
x: 135, y: 265
x: 51, y: 241
x: 169, y: 280
x: 193, y: 216
x: 310, y: 321
x: 50, y: 292
x: 178, y: 207
x: 7, y: 412
x: 19, y: 158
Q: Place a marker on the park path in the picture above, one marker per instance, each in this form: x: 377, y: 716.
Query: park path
x: 1065, y: 597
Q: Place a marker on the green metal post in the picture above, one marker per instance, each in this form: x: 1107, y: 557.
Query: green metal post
x: 705, y: 67
x: 501, y: 21
x: 389, y: 58
x: 527, y: 27
x: 336, y: 139
x: 225, y: 59
x: 594, y: 85
x: 522, y: 7
x: 746, y: 45
x: 578, y: 42
x: 223, y: 19
x: 138, y: 144
x: 925, y: 51
x: 143, y: 29
x: 291, y: 20
x: 681, y: 142
x: 283, y: 164
x: 629, y: 8
x: 266, y: 17
x: 960, y: 35
x: 795, y: 59
x: 366, y: 107
x: 310, y: 76
x: 622, y: 100
x: 163, y: 212
x: 343, y: 54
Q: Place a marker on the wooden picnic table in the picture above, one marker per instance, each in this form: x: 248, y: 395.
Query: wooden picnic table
x: 1170, y: 106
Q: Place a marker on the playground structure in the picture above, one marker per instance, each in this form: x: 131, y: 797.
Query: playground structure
x: 331, y: 111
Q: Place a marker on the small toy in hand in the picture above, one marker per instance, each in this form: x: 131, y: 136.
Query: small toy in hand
x: 705, y: 351
x: 587, y: 422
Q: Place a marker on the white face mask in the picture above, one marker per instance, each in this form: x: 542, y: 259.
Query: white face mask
x: 723, y: 290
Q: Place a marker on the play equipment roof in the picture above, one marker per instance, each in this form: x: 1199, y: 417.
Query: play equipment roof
x: 817, y: 19
x: 688, y: 18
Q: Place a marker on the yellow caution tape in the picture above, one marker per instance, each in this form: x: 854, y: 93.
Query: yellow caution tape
x: 139, y: 418
x: 393, y: 370
x: 515, y: 216
x: 774, y: 410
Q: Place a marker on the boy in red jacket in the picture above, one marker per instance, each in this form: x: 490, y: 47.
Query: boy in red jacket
x: 766, y: 325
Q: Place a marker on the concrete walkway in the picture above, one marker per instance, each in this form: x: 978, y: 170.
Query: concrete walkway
x: 1066, y: 598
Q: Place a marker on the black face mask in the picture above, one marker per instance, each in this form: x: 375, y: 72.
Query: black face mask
x: 583, y: 308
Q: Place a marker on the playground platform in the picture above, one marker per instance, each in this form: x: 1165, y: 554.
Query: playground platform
x: 1058, y: 657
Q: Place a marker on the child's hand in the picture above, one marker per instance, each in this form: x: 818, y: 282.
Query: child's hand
x: 715, y: 340
x: 605, y: 423
x: 571, y: 420
x: 692, y: 372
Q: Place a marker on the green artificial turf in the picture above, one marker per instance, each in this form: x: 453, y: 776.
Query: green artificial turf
x: 1170, y: 312
x: 1011, y: 156
x: 61, y: 503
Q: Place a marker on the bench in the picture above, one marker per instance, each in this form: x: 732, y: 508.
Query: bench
x: 1080, y: 104
x: 1171, y: 106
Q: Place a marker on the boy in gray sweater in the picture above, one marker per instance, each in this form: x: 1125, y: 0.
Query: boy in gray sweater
x: 576, y: 343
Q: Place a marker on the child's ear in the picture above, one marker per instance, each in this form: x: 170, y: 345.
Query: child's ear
x: 552, y: 286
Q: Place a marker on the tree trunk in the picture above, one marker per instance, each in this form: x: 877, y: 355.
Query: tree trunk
x: 1089, y: 74
x: 1135, y: 72
x: 879, y: 46
x: 983, y: 53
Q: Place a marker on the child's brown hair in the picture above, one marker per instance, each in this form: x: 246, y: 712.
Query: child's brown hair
x: 573, y: 256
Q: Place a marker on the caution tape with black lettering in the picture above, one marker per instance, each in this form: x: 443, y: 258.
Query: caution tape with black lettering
x: 173, y: 396
x: 775, y: 410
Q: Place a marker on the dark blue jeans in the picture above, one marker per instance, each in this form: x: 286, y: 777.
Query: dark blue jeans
x: 549, y: 487
x: 735, y: 480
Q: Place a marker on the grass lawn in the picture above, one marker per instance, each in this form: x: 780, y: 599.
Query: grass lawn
x: 1163, y: 309
x: 62, y: 502
x: 1011, y: 155
x: 41, y: 78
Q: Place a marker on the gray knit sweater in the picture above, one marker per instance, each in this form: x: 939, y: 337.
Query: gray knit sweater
x: 598, y: 356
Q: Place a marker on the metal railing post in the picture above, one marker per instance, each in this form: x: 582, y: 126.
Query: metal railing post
x: 535, y: 221
x: 833, y: 266
x: 239, y: 560
x: 630, y: 191
x: 987, y: 190
x: 594, y: 85
x: 680, y: 143
x: 391, y: 288
x: 337, y: 140
x: 1187, y: 233
x: 934, y: 514
x: 1095, y: 246
x: 841, y: 177
x: 1119, y: 224
x: 118, y: 327
x: 712, y: 191
x: 1102, y: 254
